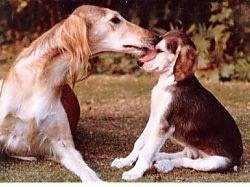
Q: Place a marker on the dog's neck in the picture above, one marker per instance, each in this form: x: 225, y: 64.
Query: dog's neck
x: 47, y: 45
x: 166, y: 79
x: 43, y: 60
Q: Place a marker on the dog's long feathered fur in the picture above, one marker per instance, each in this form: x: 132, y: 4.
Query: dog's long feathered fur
x: 68, y: 38
x: 34, y: 113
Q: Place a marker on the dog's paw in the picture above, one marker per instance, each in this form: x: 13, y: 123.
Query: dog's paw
x: 160, y: 156
x: 25, y: 158
x: 164, y: 166
x: 131, y: 175
x: 191, y: 153
x: 121, y: 162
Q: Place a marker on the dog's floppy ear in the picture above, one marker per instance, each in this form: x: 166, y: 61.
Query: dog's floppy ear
x: 186, y: 62
x: 75, y: 42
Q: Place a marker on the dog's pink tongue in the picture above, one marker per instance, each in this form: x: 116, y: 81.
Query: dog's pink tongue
x: 151, y: 53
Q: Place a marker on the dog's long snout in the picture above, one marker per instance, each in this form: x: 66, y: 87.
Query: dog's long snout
x: 152, y: 40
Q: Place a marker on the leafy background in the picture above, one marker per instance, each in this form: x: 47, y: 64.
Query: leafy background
x: 220, y: 30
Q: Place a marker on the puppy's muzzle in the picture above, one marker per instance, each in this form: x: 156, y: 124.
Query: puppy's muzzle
x: 149, y: 53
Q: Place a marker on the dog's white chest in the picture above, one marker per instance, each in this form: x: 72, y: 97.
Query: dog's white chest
x: 160, y: 100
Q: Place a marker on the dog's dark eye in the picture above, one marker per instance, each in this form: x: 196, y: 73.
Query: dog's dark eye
x: 115, y: 20
x: 159, y: 51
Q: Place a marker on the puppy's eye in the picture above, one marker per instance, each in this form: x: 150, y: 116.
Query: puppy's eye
x: 159, y: 51
x: 115, y: 20
x: 172, y: 46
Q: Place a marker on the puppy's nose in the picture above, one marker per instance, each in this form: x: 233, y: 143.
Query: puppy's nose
x: 139, y: 63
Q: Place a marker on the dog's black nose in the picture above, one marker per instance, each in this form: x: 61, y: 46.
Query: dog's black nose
x: 139, y: 63
x: 156, y: 39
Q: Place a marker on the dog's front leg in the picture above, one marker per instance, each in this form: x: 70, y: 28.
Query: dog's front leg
x: 72, y: 160
x: 140, y: 142
x: 63, y: 149
x: 154, y: 142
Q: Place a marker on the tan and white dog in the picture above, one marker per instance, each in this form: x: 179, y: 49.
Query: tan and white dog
x: 37, y: 105
x: 185, y: 112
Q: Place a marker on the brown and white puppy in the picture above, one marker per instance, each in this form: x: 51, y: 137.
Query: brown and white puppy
x: 184, y: 111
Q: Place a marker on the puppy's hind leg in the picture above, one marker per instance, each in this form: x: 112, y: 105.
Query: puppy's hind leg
x: 209, y: 163
x: 187, y: 152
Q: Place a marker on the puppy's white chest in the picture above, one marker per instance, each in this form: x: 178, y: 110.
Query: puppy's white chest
x: 160, y: 100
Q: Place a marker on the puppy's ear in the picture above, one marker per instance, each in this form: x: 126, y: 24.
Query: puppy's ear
x: 186, y: 63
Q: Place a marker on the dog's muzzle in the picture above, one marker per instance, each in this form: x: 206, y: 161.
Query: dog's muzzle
x: 149, y: 55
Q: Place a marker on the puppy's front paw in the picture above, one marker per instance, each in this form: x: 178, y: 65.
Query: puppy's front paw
x: 121, y: 162
x: 164, y: 166
x: 131, y: 175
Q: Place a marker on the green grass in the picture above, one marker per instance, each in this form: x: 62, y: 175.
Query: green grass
x: 114, y: 111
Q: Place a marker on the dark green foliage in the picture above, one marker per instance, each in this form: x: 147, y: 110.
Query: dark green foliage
x: 220, y: 30
x: 242, y: 69
x: 212, y: 42
x: 115, y: 63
